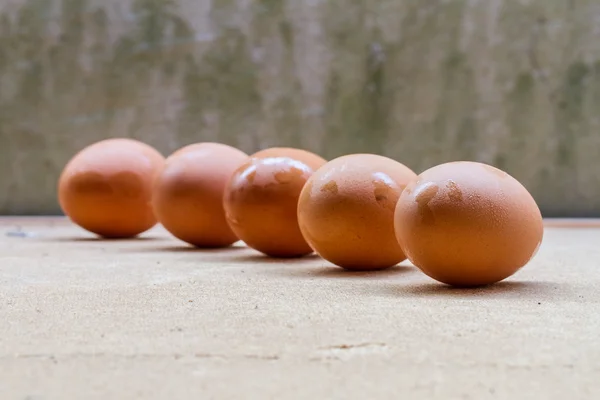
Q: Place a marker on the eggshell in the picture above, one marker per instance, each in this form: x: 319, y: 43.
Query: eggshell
x: 468, y: 224
x: 106, y: 188
x: 346, y: 211
x: 312, y: 160
x: 261, y: 200
x: 188, y: 193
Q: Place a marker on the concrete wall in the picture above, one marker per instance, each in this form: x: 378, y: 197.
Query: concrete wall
x: 515, y: 83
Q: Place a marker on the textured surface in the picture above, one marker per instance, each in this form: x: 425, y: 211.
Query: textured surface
x: 149, y: 319
x: 515, y: 83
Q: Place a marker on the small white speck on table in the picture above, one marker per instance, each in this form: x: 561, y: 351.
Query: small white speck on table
x: 151, y: 318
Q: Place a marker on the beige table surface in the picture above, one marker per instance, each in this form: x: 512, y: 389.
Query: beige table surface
x: 151, y: 319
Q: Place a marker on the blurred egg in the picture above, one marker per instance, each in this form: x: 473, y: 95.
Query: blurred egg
x: 106, y: 188
x: 261, y: 200
x: 312, y: 160
x: 188, y: 193
x: 346, y: 211
x: 468, y: 224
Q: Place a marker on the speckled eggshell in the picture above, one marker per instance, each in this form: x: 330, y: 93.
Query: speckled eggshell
x: 188, y: 193
x: 346, y: 211
x: 106, y: 188
x: 468, y: 224
x: 261, y: 200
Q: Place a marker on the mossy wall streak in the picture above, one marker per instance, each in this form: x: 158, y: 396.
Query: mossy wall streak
x: 512, y: 83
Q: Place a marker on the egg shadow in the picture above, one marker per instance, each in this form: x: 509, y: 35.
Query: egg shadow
x: 259, y: 258
x: 505, y: 289
x: 192, y: 249
x: 87, y: 239
x: 341, y: 273
x: 334, y: 271
x: 319, y: 268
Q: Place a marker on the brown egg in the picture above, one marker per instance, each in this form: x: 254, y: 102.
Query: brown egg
x: 107, y: 187
x: 312, y: 160
x: 346, y: 211
x: 188, y: 193
x: 261, y: 200
x: 468, y: 224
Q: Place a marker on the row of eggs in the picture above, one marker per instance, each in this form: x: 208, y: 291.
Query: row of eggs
x: 461, y: 223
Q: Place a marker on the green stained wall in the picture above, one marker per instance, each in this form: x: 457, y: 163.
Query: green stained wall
x: 513, y: 83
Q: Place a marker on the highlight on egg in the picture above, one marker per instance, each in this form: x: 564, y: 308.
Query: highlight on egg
x: 468, y: 224
x: 188, y: 193
x: 106, y: 188
x: 261, y: 200
x: 346, y: 211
